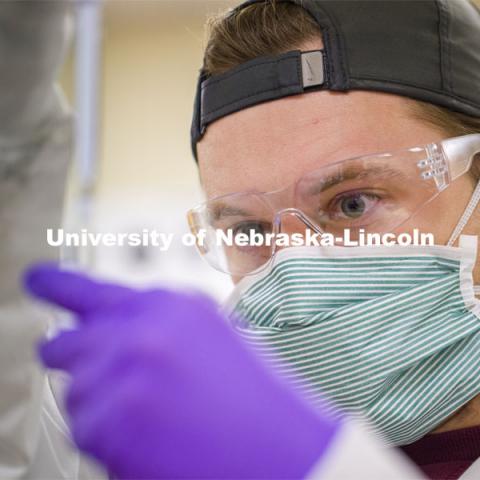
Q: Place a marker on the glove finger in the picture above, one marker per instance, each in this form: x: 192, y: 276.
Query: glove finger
x: 70, y: 290
x: 93, y: 374
x: 99, y: 428
x: 65, y: 350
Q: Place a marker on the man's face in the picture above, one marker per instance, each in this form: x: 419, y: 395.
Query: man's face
x: 269, y: 146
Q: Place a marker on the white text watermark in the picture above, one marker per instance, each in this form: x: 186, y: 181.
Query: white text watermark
x: 220, y: 238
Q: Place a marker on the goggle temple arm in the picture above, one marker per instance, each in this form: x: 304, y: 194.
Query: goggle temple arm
x: 459, y: 153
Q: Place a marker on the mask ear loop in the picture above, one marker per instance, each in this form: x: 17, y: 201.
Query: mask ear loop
x: 467, y: 214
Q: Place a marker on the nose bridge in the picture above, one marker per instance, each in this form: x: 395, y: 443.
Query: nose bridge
x: 292, y: 220
x: 288, y: 218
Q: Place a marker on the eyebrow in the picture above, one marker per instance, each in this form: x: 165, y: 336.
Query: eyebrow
x: 354, y: 174
x: 222, y: 210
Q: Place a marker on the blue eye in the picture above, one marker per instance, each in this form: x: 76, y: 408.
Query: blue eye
x: 354, y: 205
x: 248, y: 227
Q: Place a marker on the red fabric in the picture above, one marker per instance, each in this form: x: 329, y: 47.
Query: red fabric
x: 445, y: 456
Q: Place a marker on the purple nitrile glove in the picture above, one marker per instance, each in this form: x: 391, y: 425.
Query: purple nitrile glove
x: 162, y: 387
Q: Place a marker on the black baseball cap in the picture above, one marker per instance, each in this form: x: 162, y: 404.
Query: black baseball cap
x: 427, y: 50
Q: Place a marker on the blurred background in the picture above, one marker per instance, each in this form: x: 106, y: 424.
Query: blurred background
x: 150, y: 54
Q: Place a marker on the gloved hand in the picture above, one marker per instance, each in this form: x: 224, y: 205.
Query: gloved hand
x: 162, y: 387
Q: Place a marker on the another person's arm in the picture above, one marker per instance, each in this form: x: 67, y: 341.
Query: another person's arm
x: 35, y: 153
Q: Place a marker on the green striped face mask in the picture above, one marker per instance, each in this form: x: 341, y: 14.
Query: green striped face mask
x: 391, y: 334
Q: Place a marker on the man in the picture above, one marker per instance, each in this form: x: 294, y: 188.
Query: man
x: 323, y: 127
x: 373, y: 128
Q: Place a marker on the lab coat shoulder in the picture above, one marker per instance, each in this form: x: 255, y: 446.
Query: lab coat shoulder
x: 472, y: 473
x: 355, y: 453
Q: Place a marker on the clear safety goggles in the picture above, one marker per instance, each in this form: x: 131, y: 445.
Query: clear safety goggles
x: 368, y: 194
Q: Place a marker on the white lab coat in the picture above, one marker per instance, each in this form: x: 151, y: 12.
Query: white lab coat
x: 36, y: 138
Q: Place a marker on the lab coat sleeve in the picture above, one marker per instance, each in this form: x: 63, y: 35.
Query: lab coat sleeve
x: 35, y: 151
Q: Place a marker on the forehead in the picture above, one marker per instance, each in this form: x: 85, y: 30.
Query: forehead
x: 268, y: 146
